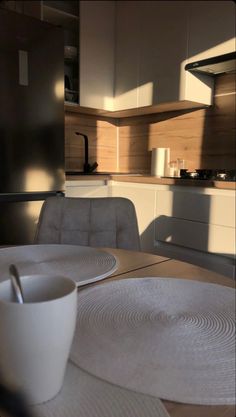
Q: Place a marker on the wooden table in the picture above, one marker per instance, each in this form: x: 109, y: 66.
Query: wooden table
x: 135, y: 265
x: 138, y: 264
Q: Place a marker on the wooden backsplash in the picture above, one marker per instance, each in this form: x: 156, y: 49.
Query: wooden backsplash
x: 203, y: 138
x: 102, y: 136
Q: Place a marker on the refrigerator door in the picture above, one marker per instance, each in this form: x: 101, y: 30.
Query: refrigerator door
x: 31, y: 105
x: 19, y: 215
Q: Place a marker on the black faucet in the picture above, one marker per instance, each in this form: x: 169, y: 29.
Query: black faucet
x: 87, y: 167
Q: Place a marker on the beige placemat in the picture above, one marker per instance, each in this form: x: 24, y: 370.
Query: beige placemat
x: 81, y: 263
x: 171, y: 338
x: 84, y: 395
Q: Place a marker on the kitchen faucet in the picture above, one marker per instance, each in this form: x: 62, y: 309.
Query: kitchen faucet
x: 87, y: 167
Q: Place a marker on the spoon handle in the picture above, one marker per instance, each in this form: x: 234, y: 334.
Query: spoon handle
x: 16, y: 284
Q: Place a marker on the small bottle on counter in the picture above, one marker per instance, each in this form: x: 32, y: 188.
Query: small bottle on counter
x: 180, y: 165
x: 172, y: 168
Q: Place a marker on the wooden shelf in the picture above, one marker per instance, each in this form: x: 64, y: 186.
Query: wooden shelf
x: 141, y: 111
x: 59, y: 17
x: 66, y: 15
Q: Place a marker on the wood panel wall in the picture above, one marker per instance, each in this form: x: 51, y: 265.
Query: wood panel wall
x: 203, y: 138
x: 102, y: 138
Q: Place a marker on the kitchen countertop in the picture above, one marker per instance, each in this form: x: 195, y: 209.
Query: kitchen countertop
x: 148, y: 179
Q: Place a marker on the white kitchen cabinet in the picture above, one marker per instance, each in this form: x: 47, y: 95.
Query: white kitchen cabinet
x: 193, y: 224
x: 154, y: 42
x: 211, y: 33
x: 89, y: 188
x: 151, y: 45
x: 132, y: 54
x: 201, y: 219
x: 211, y: 28
x: 97, y: 45
x: 204, y: 205
x: 143, y: 197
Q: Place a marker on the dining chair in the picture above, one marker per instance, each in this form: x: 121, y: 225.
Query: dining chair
x: 107, y: 221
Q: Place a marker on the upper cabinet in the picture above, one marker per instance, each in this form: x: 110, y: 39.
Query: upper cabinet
x: 66, y: 14
x: 151, y: 45
x: 132, y: 54
x: 155, y: 40
x: 211, y: 28
x: 97, y: 54
x: 211, y: 32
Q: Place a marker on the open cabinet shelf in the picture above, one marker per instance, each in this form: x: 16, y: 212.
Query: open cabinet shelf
x: 66, y: 15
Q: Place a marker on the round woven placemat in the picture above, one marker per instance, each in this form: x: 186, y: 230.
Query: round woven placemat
x: 81, y: 263
x: 83, y: 395
x: 170, y: 338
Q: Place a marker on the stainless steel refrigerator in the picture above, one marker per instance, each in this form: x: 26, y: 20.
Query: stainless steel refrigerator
x: 31, y: 122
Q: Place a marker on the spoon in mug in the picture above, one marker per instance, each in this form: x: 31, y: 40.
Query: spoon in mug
x: 16, y: 284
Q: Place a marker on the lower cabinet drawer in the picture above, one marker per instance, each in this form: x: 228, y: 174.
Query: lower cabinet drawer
x: 201, y: 236
x: 206, y: 208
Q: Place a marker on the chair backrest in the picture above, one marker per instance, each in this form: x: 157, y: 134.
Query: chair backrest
x: 108, y: 222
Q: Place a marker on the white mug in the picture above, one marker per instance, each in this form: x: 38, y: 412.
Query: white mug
x: 36, y: 337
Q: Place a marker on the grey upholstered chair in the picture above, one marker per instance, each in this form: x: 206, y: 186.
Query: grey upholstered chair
x: 108, y: 222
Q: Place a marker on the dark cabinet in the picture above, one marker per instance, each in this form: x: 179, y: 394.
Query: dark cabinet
x: 66, y: 15
x: 29, y: 8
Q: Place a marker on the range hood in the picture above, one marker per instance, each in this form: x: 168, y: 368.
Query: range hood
x: 212, y: 66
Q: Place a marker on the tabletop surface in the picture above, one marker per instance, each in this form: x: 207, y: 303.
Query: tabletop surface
x: 134, y: 264
x: 138, y: 265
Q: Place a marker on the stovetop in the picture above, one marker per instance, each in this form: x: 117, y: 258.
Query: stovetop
x: 209, y: 174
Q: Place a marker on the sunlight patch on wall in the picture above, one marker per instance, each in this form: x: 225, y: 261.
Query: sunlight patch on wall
x: 59, y: 89
x: 37, y: 180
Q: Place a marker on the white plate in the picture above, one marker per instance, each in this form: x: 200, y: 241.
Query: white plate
x: 81, y: 263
